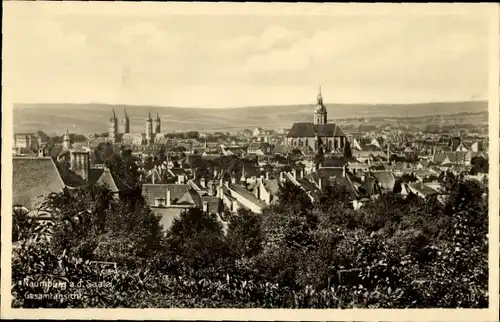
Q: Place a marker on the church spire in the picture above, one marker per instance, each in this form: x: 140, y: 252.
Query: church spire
x: 320, y: 96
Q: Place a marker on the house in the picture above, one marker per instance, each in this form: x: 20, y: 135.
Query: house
x: 259, y: 148
x: 420, y: 189
x: 266, y: 189
x: 237, y: 196
x: 447, y: 158
x: 36, y: 177
x: 385, y: 179
x: 258, y: 131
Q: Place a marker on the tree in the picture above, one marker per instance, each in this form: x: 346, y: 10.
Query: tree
x: 244, y: 233
x: 89, y: 222
x: 196, y: 240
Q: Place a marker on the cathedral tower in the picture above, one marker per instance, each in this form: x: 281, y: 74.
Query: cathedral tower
x: 125, y: 122
x: 320, y: 114
x: 149, y: 128
x: 157, y: 127
x: 66, y: 141
x: 113, y: 127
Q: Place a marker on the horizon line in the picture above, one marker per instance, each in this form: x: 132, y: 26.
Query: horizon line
x: 248, y: 106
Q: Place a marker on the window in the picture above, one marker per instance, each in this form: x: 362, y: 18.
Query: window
x: 160, y: 202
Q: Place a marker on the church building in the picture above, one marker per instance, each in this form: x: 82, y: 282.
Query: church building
x: 318, y: 133
x: 151, y: 129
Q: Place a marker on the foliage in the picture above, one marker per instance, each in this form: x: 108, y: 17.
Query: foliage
x: 394, y: 252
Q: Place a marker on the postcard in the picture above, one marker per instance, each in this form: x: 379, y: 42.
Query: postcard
x: 257, y: 161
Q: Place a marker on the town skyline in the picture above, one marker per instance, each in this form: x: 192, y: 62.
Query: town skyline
x: 219, y: 61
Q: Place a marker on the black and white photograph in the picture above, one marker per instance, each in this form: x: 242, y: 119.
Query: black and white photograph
x: 284, y: 160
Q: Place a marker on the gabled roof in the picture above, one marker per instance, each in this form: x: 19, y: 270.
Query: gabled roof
x: 191, y: 197
x: 152, y: 191
x: 33, y: 178
x: 243, y: 192
x: 282, y: 149
x: 386, y: 179
x: 112, y: 182
x: 310, y: 130
x: 422, y: 189
x: 258, y: 145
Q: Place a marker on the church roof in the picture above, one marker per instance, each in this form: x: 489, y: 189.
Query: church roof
x: 308, y: 129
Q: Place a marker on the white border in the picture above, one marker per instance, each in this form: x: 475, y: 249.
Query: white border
x: 490, y: 11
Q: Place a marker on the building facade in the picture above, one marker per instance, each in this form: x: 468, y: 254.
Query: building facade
x: 317, y: 134
x: 112, y: 127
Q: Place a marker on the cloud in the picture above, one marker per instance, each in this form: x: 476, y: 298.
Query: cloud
x: 147, y: 38
x: 270, y: 37
x: 381, y: 46
x: 44, y: 38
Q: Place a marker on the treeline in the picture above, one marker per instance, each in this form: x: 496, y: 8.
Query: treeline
x: 394, y: 252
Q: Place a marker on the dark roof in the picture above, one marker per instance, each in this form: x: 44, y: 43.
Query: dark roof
x: 334, y: 162
x: 152, y: 191
x: 33, y: 178
x: 94, y: 175
x: 191, y: 197
x: 258, y: 145
x: 282, y: 149
x: 111, y: 181
x: 311, y: 130
x: 385, y: 179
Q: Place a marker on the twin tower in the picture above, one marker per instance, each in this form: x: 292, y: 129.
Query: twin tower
x: 149, y: 128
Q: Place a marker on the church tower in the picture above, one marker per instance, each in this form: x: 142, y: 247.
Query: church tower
x: 125, y: 122
x: 66, y: 141
x: 157, y: 127
x: 149, y: 128
x: 320, y: 116
x: 113, y: 127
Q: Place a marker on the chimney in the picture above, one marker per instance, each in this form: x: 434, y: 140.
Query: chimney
x: 267, y: 175
x: 261, y: 179
x: 152, y: 177
x: 294, y: 173
x: 168, y: 198
x: 282, y: 177
x: 234, y: 205
x: 343, y: 171
x: 233, y: 180
x: 301, y: 173
x: 320, y: 183
x: 203, y: 183
x: 205, y: 206
x: 226, y: 183
x: 363, y: 177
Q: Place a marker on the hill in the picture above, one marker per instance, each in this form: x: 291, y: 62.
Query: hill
x: 93, y: 117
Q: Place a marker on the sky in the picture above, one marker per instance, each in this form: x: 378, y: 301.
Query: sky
x: 226, y: 60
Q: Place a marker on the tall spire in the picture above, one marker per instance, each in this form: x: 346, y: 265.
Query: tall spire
x: 125, y: 112
x: 114, y: 115
x: 157, y: 115
x: 320, y: 96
